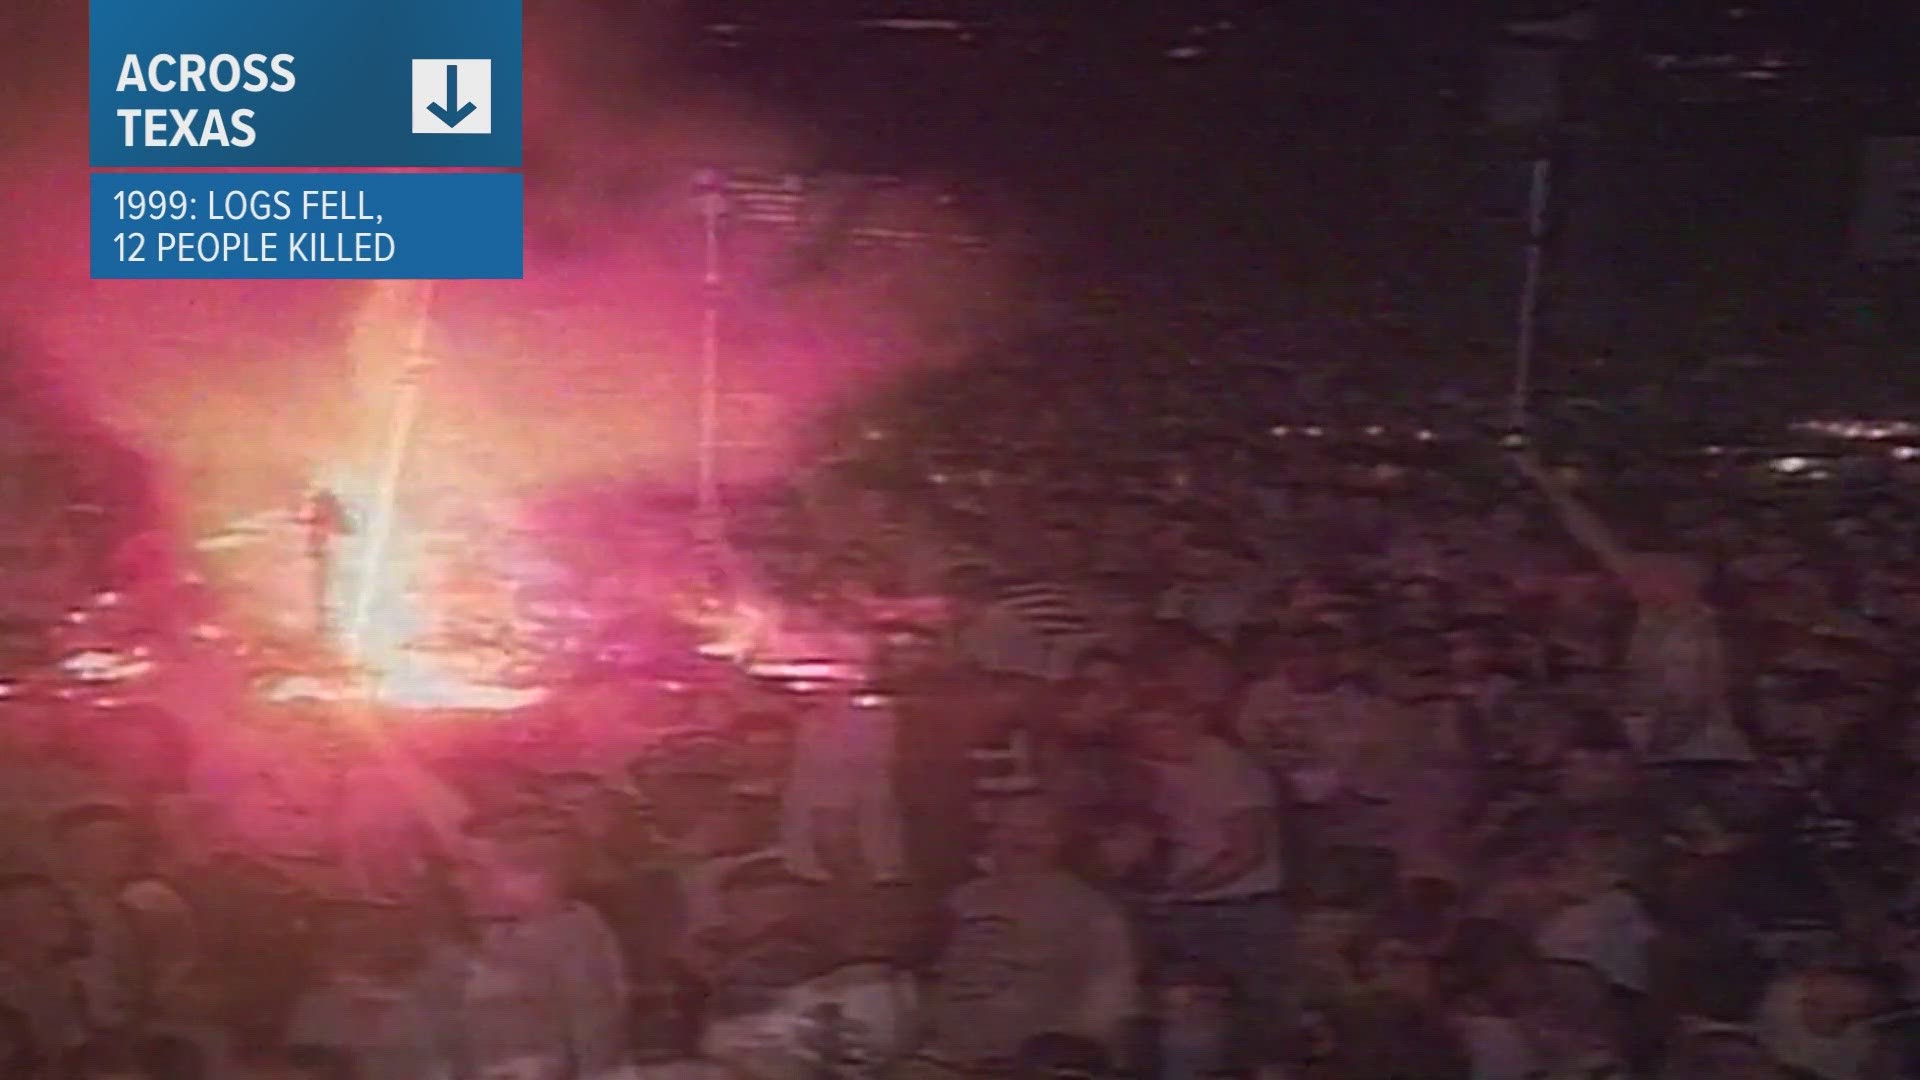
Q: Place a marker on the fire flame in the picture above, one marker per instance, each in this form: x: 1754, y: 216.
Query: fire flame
x: 382, y: 614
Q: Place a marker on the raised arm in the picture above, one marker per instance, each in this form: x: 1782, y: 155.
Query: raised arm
x: 1584, y: 524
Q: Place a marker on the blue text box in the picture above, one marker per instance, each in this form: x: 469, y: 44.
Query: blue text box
x: 304, y: 226
x: 352, y: 102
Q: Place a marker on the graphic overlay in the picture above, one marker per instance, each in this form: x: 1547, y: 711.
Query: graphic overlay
x: 460, y: 105
x: 215, y: 226
x: 207, y: 109
x: 302, y: 84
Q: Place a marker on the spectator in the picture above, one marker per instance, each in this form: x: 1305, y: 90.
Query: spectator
x: 142, y: 958
x: 38, y: 981
x: 1676, y: 665
x: 1598, y: 921
x: 536, y: 984
x: 1221, y: 902
x: 766, y: 944
x: 1815, y: 1021
x: 1034, y: 951
x: 368, y: 1008
x: 840, y: 819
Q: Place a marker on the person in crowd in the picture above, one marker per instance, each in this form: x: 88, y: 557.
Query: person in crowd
x: 1329, y: 936
x: 1574, y: 1024
x: 367, y: 1006
x: 1419, y: 779
x: 623, y: 870
x: 1034, y: 950
x: 1815, y: 1021
x: 535, y: 987
x: 1705, y: 963
x: 942, y: 720
x: 1080, y: 757
x: 142, y: 964
x: 252, y: 909
x: 1398, y: 1027
x: 38, y: 981
x: 861, y: 1018
x: 1678, y: 675
x: 746, y: 967
x: 1196, y: 1010
x: 840, y: 814
x: 1595, y: 918
x: 729, y: 832
x: 1221, y: 902
x: 1487, y: 975
x: 1318, y: 724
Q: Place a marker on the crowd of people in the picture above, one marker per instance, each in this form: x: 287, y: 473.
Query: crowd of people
x: 1399, y: 783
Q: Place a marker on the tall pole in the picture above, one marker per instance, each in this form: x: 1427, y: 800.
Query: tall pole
x: 712, y: 205
x: 1527, y: 331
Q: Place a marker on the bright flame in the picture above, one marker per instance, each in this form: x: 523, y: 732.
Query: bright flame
x: 729, y: 631
x: 381, y: 611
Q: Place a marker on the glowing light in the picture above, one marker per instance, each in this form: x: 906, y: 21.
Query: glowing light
x: 381, y: 610
x: 103, y: 666
x: 731, y: 631
x: 807, y: 671
x: 916, y: 25
x: 1859, y: 430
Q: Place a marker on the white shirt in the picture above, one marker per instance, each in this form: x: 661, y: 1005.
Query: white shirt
x: 1784, y: 1032
x: 1031, y: 955
x: 1609, y: 933
x: 1676, y: 669
x: 1199, y: 798
x: 529, y: 996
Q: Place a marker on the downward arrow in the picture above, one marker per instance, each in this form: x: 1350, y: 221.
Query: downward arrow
x: 453, y: 111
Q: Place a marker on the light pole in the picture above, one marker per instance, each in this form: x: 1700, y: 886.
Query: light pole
x: 712, y: 206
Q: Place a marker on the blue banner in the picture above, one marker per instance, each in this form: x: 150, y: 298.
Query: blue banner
x: 304, y: 83
x: 215, y: 226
